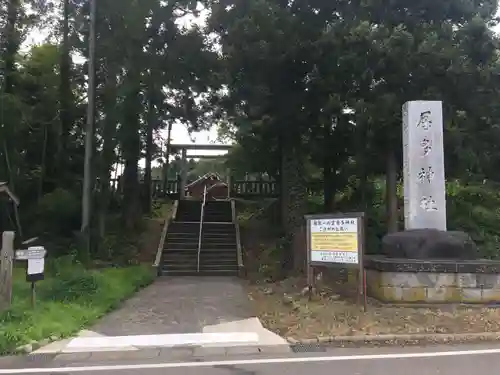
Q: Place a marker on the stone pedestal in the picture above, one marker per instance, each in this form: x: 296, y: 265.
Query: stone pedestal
x: 409, y: 281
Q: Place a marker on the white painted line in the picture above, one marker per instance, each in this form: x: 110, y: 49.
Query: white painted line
x: 167, y: 340
x: 263, y: 361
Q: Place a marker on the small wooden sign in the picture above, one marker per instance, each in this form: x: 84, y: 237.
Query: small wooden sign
x: 33, y: 252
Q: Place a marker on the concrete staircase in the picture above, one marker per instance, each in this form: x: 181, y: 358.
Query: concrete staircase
x: 218, y: 212
x: 218, y: 255
x: 188, y: 211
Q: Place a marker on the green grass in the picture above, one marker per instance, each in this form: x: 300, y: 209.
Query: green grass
x: 69, y: 299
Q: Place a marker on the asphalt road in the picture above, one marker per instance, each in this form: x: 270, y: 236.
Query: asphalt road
x: 439, y: 360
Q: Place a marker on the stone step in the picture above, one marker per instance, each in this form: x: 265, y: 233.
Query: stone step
x: 193, y: 272
x: 204, y: 242
x: 221, y: 229
x: 205, y: 234
x: 220, y: 250
x: 204, y: 263
x: 204, y: 254
x: 193, y: 266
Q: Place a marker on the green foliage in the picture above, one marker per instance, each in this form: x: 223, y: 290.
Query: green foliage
x: 58, y: 212
x: 269, y: 261
x: 475, y: 209
x: 70, y: 281
x: 69, y: 299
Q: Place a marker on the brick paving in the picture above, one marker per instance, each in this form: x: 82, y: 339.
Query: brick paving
x: 178, y: 305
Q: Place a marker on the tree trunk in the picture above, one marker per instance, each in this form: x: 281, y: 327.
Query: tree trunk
x: 43, y: 161
x: 12, y: 42
x: 167, y: 157
x: 328, y: 184
x: 147, y: 198
x: 65, y: 95
x: 361, y: 162
x: 11, y: 47
x: 108, y: 156
x: 131, y: 146
x: 293, y: 195
x: 391, y: 193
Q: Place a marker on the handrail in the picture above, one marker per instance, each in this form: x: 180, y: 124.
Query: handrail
x: 164, y: 231
x: 241, y: 266
x: 201, y: 225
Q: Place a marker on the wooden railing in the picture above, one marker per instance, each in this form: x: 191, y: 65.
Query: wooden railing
x: 172, y: 188
x: 254, y: 189
x: 239, y: 189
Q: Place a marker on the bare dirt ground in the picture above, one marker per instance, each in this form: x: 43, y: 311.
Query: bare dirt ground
x: 284, y: 308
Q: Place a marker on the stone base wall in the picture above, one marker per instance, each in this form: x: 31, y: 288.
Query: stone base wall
x: 404, y: 281
x: 428, y: 287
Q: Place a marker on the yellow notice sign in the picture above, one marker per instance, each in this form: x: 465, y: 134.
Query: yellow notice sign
x: 334, y: 241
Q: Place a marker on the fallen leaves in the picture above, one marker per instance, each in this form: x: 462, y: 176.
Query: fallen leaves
x: 333, y: 311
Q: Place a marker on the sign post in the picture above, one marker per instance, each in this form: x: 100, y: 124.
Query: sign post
x: 35, y: 255
x: 336, y: 240
x: 6, y: 266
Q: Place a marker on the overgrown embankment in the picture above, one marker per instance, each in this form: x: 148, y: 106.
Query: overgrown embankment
x: 70, y: 298
x: 473, y: 208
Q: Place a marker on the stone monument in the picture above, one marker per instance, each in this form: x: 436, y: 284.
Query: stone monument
x: 425, y: 263
x: 423, y: 166
x: 425, y: 235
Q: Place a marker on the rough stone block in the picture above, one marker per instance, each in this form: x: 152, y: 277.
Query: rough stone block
x: 373, y: 279
x: 437, y: 280
x: 429, y: 244
x: 467, y: 280
x: 488, y: 281
x: 490, y: 295
x: 471, y: 295
x: 375, y: 292
x: 418, y: 279
x: 399, y: 279
x: 415, y: 294
x: 448, y: 294
x: 389, y: 294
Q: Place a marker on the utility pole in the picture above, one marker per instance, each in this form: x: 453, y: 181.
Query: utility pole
x: 89, y: 132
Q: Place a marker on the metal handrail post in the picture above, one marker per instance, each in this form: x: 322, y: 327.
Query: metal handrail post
x: 201, y: 226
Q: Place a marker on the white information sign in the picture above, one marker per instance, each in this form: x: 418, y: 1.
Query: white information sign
x: 36, y: 266
x: 34, y: 252
x: 334, y: 241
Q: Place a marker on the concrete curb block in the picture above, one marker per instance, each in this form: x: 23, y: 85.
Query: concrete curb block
x: 435, y: 337
x: 35, y: 345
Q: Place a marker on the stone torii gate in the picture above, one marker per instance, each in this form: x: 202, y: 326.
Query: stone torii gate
x: 184, y: 156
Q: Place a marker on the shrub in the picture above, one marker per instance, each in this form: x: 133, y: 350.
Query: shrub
x: 58, y: 212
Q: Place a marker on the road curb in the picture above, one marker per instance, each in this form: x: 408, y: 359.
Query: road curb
x: 34, y: 345
x: 360, y: 339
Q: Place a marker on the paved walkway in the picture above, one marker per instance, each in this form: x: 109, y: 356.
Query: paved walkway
x: 176, y: 312
x: 178, y: 305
